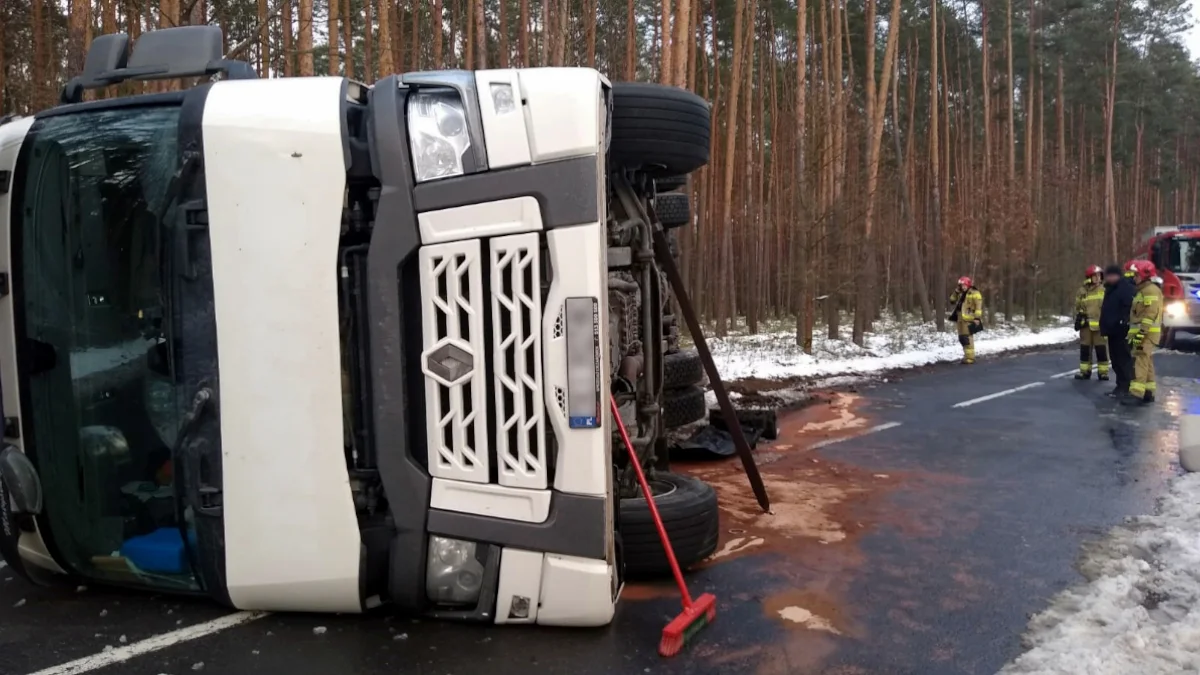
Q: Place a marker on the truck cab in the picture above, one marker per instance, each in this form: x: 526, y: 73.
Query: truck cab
x: 314, y: 345
x: 1175, y: 251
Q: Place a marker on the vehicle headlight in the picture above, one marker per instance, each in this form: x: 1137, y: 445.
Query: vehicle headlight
x: 1176, y: 310
x: 437, y: 132
x: 453, y: 573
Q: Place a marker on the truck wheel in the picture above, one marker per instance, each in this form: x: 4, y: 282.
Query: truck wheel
x: 663, y: 131
x: 669, y: 183
x: 688, y: 507
x: 683, y: 406
x: 673, y: 209
x: 1168, y: 338
x: 681, y: 369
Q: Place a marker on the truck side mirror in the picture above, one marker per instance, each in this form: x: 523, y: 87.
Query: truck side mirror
x: 21, y: 483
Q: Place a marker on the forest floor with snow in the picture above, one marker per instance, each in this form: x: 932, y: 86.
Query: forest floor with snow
x: 893, y: 344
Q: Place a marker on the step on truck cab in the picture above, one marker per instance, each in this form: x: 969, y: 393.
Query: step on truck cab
x: 307, y: 344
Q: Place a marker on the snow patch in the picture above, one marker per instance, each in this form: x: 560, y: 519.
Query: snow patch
x: 1139, y: 611
x: 893, y: 345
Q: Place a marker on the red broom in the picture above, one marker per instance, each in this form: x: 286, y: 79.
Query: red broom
x: 696, y: 614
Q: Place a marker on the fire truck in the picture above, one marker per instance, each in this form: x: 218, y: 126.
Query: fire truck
x: 1175, y: 251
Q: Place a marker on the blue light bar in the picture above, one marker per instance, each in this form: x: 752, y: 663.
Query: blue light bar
x: 1188, y: 227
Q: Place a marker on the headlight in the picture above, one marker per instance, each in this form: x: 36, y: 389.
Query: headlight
x: 437, y: 132
x: 1176, y: 310
x: 453, y: 574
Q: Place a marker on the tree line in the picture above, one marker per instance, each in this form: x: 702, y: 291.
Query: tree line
x: 865, y: 154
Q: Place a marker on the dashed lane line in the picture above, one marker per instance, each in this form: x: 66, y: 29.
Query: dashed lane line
x: 152, y: 644
x: 875, y: 429
x: 998, y: 394
x: 1068, y: 373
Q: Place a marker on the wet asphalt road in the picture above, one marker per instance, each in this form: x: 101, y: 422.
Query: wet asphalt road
x: 937, y: 537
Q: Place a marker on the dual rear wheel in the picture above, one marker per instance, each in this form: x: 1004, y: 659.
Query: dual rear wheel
x: 664, y: 133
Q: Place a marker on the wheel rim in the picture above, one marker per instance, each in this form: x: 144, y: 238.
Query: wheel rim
x: 660, y: 488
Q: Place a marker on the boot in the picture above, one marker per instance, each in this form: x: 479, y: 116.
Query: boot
x: 1149, y: 398
x: 1103, y: 377
x: 1083, y: 375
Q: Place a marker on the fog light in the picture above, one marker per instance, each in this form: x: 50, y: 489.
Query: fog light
x: 1176, y: 310
x: 583, y: 362
x: 453, y: 574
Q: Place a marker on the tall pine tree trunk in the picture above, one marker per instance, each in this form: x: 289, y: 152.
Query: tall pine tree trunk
x: 333, y: 36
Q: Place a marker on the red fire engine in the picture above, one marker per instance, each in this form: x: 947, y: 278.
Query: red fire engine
x: 1175, y: 251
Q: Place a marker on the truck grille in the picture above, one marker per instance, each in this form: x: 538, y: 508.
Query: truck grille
x: 517, y: 366
x: 455, y: 360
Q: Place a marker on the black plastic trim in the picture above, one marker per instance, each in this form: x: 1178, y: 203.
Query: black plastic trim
x: 199, y: 477
x: 565, y: 190
x: 575, y: 527
x: 394, y: 240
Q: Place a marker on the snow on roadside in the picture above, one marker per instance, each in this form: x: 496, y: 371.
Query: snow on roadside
x: 1139, y: 611
x: 893, y: 345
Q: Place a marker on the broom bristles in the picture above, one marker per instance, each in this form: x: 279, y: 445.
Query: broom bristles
x: 690, y: 621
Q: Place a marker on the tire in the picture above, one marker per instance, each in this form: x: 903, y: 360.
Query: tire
x: 1168, y: 338
x: 662, y: 131
x: 689, y: 512
x: 683, y: 406
x: 681, y: 369
x: 669, y: 183
x: 673, y: 209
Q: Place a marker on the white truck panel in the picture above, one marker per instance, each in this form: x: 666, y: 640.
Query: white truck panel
x: 561, y: 115
x: 275, y: 183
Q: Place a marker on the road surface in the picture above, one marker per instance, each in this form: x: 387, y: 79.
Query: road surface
x: 917, y: 524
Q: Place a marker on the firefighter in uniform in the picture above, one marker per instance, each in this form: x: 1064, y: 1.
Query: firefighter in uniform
x: 967, y: 315
x: 1087, y: 322
x: 1145, y: 327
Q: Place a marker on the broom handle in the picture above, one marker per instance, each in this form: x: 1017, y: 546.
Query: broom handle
x: 658, y: 523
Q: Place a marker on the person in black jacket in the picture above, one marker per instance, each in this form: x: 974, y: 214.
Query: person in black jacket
x: 1114, y: 325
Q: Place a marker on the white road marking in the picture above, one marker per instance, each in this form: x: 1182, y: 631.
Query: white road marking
x: 998, y: 394
x: 153, y: 644
x: 872, y: 430
x: 1069, y: 372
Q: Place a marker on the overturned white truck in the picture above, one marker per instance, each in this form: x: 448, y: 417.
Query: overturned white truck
x: 307, y: 344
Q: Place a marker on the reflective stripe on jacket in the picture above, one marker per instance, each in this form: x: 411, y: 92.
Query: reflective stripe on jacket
x: 1146, y: 314
x: 1088, y: 302
x: 972, y: 305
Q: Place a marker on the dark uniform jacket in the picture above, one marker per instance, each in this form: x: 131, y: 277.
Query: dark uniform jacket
x: 1114, y: 311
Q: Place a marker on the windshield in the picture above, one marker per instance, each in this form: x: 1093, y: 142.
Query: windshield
x: 102, y: 408
x: 1183, y: 255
